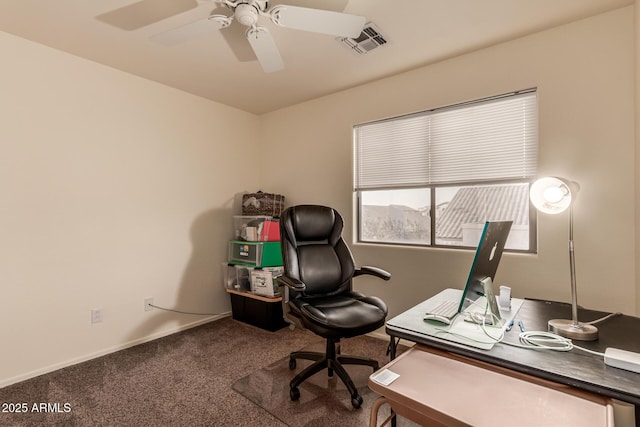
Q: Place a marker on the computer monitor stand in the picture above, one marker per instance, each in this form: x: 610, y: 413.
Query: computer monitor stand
x: 492, y: 304
x: 491, y: 315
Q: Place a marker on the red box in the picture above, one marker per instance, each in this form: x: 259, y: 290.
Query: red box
x: 270, y: 231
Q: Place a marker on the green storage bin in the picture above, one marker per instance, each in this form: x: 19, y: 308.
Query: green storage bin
x: 257, y: 254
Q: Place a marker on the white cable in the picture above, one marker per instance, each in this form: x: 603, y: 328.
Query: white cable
x: 597, y: 353
x: 532, y: 340
x: 184, y: 312
x: 541, y: 340
x: 484, y: 326
x: 446, y: 331
x: 602, y: 319
x: 484, y: 329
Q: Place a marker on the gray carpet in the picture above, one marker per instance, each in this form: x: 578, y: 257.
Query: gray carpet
x: 323, y: 401
x: 187, y: 379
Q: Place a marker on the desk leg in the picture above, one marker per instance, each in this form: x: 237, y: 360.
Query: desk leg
x: 391, y: 349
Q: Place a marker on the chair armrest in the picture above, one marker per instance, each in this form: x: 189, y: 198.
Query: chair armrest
x: 373, y: 271
x: 291, y: 283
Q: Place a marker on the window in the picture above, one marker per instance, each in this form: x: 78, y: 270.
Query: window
x: 434, y: 177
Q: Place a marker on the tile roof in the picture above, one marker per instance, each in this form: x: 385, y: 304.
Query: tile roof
x: 476, y: 205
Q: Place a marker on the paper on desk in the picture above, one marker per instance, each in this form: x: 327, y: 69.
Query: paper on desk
x: 385, y: 377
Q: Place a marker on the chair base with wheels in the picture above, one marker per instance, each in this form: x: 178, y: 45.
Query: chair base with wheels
x: 332, y: 361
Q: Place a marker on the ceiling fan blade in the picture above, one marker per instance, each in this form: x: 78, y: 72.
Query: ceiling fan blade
x: 192, y: 30
x: 318, y: 21
x: 335, y: 5
x: 235, y: 37
x: 265, y: 49
x: 145, y: 12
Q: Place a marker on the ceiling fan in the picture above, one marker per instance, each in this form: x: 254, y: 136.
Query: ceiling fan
x: 248, y: 13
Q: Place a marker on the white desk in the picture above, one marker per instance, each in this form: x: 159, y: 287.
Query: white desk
x: 437, y: 388
x: 576, y: 368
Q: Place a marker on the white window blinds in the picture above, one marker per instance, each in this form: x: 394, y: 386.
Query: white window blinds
x: 489, y: 140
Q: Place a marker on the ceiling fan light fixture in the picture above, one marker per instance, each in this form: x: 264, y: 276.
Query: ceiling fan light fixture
x: 246, y: 14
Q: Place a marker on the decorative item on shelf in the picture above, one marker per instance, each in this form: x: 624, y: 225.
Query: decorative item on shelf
x: 552, y: 195
x: 262, y: 204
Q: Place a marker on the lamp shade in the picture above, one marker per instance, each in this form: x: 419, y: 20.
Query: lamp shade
x: 552, y: 195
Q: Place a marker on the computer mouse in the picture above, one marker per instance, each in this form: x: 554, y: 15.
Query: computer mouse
x: 437, y: 318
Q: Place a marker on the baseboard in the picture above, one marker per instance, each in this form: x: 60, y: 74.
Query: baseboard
x: 104, y: 352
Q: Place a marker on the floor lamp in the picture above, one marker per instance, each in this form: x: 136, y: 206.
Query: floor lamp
x: 553, y: 195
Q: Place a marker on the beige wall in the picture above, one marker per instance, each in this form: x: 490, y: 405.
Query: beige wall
x: 584, y: 73
x: 637, y: 156
x: 112, y: 189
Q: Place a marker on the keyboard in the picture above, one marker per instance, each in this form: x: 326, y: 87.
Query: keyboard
x: 443, y: 312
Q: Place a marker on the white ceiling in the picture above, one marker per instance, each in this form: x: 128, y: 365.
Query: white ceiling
x: 419, y: 32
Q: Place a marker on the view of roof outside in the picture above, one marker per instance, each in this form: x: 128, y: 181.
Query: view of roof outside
x: 403, y: 216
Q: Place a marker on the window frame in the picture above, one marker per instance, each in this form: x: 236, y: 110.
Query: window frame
x: 433, y: 188
x: 533, y: 223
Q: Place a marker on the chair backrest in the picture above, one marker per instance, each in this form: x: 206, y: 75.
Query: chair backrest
x: 313, y: 250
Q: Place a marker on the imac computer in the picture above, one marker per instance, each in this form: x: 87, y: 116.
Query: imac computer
x: 480, y: 281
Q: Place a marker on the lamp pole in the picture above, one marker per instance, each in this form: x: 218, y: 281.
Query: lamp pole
x: 572, y: 269
x: 573, y: 328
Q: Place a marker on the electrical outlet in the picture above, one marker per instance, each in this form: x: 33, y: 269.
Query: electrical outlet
x: 96, y: 315
x: 148, y: 304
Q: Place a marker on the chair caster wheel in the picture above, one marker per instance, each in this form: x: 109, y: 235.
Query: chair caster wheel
x: 356, y: 401
x: 294, y: 393
x: 292, y: 364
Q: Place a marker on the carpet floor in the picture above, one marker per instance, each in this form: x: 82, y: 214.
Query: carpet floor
x: 218, y: 374
x: 323, y: 401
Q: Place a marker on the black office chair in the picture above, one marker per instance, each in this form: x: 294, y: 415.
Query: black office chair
x: 318, y: 268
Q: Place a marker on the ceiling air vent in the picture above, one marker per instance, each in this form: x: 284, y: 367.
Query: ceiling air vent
x: 369, y: 39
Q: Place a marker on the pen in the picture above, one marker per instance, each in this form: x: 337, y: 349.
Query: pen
x: 509, y: 326
x: 521, y: 325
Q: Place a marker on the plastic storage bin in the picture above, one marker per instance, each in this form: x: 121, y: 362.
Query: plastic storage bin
x: 237, y: 277
x: 256, y: 228
x: 263, y: 281
x: 257, y: 311
x: 256, y: 254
